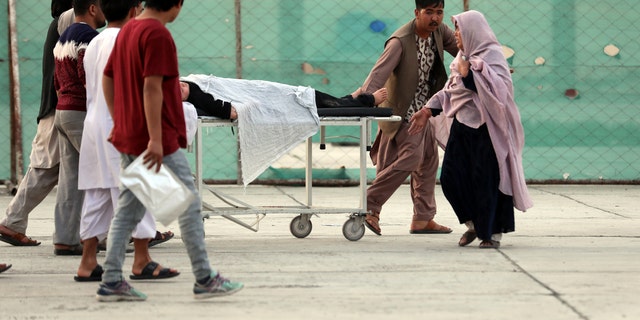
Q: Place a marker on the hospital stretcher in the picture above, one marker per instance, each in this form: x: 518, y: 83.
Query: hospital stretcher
x: 300, y: 226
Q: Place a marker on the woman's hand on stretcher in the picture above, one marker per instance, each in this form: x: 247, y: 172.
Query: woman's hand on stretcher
x: 419, y: 120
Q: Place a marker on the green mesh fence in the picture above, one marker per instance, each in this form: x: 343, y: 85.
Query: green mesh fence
x: 577, y: 96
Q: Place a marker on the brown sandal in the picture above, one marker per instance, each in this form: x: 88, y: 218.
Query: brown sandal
x: 431, y: 228
x: 467, y: 238
x: 4, y: 267
x: 18, y: 239
x: 371, y: 221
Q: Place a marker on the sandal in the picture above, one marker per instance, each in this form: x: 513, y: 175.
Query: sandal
x: 148, y: 271
x: 371, y: 221
x: 96, y: 275
x: 489, y: 244
x: 161, y: 238
x: 18, y: 239
x: 467, y: 238
x: 431, y: 228
x: 102, y: 246
x: 4, y: 267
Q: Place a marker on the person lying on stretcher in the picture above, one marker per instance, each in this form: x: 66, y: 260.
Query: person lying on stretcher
x: 207, y: 105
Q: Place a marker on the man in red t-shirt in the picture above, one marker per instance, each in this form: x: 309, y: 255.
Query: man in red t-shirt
x: 142, y: 92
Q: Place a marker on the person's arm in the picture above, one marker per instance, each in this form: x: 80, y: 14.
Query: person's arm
x: 464, y: 67
x: 383, y: 68
x: 80, y: 67
x: 432, y: 108
x: 107, y: 89
x: 56, y: 84
x: 468, y: 81
x: 419, y: 120
x: 152, y: 95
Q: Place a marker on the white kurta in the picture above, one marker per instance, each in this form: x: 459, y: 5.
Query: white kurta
x: 99, y: 165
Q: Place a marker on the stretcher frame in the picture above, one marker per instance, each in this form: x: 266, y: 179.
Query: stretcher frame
x: 300, y: 226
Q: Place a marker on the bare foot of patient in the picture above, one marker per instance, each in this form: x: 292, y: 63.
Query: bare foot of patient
x: 380, y: 96
x: 356, y: 93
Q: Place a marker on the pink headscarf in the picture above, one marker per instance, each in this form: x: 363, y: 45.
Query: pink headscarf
x: 494, y: 100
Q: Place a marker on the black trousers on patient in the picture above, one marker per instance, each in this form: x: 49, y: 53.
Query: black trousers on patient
x: 470, y: 179
x: 324, y: 100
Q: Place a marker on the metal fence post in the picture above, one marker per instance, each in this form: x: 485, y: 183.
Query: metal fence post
x: 17, y: 163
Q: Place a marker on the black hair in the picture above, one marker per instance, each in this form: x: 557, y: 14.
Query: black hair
x: 421, y: 4
x: 117, y: 10
x: 81, y: 7
x: 59, y: 6
x: 162, y: 5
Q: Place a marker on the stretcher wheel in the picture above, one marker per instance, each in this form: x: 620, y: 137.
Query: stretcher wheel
x: 301, y: 226
x: 353, y: 229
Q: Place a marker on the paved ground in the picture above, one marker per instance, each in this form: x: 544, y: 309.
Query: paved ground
x: 575, y: 255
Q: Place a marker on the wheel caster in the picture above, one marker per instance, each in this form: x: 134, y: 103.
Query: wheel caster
x: 301, y: 226
x: 353, y: 229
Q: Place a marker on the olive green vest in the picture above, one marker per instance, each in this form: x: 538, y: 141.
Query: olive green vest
x: 402, y: 84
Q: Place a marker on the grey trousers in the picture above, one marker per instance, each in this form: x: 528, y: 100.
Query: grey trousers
x: 68, y: 199
x: 130, y: 211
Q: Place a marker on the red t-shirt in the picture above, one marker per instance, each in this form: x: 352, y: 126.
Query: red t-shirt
x: 145, y: 48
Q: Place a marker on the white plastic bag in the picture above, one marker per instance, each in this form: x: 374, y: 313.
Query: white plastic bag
x: 162, y: 193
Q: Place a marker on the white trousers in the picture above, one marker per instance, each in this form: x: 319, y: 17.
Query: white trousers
x: 97, y: 212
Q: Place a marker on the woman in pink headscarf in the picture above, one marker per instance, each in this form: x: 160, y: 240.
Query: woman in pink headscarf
x: 482, y: 175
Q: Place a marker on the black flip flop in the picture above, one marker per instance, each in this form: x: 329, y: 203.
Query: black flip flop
x: 96, y: 275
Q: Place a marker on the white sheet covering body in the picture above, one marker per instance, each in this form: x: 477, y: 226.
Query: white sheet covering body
x: 273, y: 118
x: 190, y: 120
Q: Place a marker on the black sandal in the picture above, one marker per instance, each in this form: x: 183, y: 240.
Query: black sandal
x: 161, y: 238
